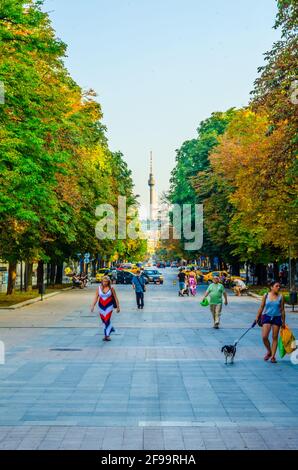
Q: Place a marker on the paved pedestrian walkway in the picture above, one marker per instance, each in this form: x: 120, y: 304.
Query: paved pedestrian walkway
x: 160, y: 384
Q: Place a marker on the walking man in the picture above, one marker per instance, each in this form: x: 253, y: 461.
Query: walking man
x: 216, y: 292
x: 138, y: 283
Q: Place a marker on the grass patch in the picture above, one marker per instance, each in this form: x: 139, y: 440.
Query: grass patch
x: 18, y: 296
x: 259, y: 290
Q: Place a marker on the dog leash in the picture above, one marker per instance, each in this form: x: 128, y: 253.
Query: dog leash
x: 250, y: 328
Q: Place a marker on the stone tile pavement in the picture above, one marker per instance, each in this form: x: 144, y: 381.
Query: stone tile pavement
x: 148, y: 438
x: 160, y: 384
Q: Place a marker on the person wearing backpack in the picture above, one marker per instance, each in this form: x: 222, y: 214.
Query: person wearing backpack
x: 138, y: 283
x: 271, y: 316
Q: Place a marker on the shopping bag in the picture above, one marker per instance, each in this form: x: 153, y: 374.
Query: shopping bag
x: 288, y: 339
x: 281, y: 349
x: 205, y: 302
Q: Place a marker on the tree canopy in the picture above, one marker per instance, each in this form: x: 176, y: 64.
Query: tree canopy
x: 243, y: 164
x: 55, y: 163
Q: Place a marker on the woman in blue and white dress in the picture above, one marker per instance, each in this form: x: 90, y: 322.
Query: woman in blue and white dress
x: 106, y: 299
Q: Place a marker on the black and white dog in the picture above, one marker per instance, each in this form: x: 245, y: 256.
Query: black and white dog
x: 229, y: 351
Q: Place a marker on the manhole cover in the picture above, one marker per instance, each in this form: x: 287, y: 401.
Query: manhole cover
x: 65, y: 349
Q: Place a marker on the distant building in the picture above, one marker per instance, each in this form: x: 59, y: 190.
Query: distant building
x: 153, y: 233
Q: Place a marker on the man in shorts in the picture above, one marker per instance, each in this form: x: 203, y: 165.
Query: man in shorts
x: 181, y: 279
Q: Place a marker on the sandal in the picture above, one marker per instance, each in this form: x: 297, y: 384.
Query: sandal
x: 267, y: 357
x: 273, y: 360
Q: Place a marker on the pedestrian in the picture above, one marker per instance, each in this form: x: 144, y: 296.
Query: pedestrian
x: 271, y: 315
x: 138, y: 283
x: 181, y: 279
x: 106, y: 299
x: 114, y: 276
x: 76, y: 281
x: 239, y: 287
x: 216, y: 292
x: 224, y: 279
x: 192, y: 281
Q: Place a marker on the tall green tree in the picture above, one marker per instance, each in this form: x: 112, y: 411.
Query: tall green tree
x: 55, y: 164
x: 192, y: 160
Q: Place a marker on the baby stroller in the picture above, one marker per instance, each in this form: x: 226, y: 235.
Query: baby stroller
x: 186, y: 290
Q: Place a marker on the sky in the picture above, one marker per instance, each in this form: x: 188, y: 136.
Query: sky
x: 160, y: 67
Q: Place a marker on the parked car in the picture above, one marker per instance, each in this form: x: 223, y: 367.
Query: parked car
x: 242, y: 277
x: 153, y: 276
x: 161, y: 265
x: 198, y: 273
x: 209, y: 276
x: 125, y: 277
x: 101, y: 273
x: 125, y: 266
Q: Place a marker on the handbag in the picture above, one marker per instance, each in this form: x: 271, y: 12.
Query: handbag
x: 281, y: 349
x: 260, y: 319
x: 113, y: 299
x: 288, y: 340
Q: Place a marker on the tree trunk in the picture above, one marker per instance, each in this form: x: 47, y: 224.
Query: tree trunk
x: 293, y: 274
x: 48, y: 273
x: 52, y: 273
x: 28, y: 276
x: 22, y: 277
x: 93, y: 273
x: 261, y: 274
x: 275, y: 271
x: 235, y: 268
x: 212, y: 264
x: 223, y: 265
x: 40, y: 274
x: 59, y: 274
x: 246, y: 273
x: 12, y: 276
